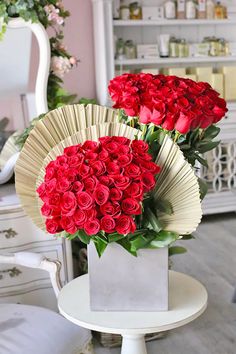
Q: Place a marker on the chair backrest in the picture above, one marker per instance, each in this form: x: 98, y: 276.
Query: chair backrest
x: 36, y: 260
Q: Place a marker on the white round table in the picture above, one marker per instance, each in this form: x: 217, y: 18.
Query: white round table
x: 187, y: 301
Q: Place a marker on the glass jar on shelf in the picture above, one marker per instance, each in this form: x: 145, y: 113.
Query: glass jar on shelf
x: 183, y: 48
x: 124, y: 12
x: 120, y: 49
x: 130, y: 49
x: 135, y: 11
x: 191, y: 10
x: 170, y: 9
x: 173, y: 48
x: 219, y: 11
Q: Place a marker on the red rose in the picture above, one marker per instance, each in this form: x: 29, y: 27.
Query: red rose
x: 132, y: 171
x: 61, y: 161
x: 148, y: 181
x: 111, y: 147
x: 139, y: 146
x: 124, y: 160
x: 115, y: 194
x: 63, y: 185
x: 90, y: 155
x: 123, y: 150
x: 79, y: 218
x: 67, y: 223
x: 101, y: 194
x: 50, y: 173
x: 121, y: 140
x: 112, y: 209
x: 184, y: 122
x: 84, y: 171
x: 75, y: 160
x: 131, y: 206
x: 158, y: 113
x: 106, y: 180
x: 91, y: 214
x: 121, y: 182
x: 150, y: 167
x: 77, y: 186
x: 68, y: 204
x: 90, y: 145
x: 90, y: 183
x: 72, y: 150
x: 92, y: 227
x: 41, y: 189
x: 125, y: 225
x: 71, y: 174
x: 54, y: 200
x: 99, y: 168
x: 53, y: 225
x: 46, y: 210
x: 108, y: 224
x: 84, y: 200
x: 145, y: 115
x: 104, y: 155
x: 113, y: 168
x: 51, y: 185
x: 135, y: 190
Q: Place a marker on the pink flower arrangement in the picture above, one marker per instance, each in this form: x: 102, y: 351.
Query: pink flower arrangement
x: 97, y: 186
x: 169, y: 102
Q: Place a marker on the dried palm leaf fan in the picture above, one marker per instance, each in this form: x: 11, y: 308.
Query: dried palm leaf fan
x: 75, y: 124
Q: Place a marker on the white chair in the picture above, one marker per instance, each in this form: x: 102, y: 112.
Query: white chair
x: 28, y: 329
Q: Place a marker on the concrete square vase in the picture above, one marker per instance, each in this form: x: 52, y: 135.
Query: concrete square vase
x: 122, y: 282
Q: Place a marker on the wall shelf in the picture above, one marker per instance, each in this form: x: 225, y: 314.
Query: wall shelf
x: 132, y: 23
x: 178, y: 61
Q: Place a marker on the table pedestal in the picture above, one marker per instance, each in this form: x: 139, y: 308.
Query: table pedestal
x: 133, y: 344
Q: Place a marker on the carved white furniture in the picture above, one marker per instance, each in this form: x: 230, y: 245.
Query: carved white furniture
x: 222, y: 172
x: 18, y: 233
x: 28, y: 329
x: 188, y: 300
x: 18, y: 86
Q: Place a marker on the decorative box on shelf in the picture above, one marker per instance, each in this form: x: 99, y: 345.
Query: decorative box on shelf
x: 18, y: 233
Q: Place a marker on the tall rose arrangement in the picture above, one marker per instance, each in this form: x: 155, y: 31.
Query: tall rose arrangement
x: 182, y: 108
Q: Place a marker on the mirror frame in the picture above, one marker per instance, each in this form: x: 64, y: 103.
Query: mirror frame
x: 41, y: 82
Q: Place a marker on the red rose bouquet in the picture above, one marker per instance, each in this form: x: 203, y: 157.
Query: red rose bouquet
x: 97, y: 189
x: 182, y: 108
x: 97, y: 179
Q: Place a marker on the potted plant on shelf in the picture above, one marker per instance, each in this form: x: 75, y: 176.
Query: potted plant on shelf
x: 117, y: 179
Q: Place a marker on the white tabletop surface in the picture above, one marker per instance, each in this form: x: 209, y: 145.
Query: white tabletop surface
x: 187, y: 301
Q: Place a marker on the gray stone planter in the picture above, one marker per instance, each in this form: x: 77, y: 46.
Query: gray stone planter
x: 122, y: 282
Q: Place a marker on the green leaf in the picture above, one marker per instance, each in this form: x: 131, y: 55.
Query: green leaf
x: 185, y: 147
x: 125, y: 243
x: 203, y: 187
x: 204, y: 147
x: 176, y: 250
x: 141, y: 242
x: 201, y: 160
x: 152, y: 219
x: 83, y: 237
x: 164, y: 206
x: 164, y: 238
x: 100, y: 245
x: 211, y: 132
x: 187, y: 237
x: 114, y: 237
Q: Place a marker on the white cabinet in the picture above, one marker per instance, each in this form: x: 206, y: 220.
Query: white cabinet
x: 221, y: 175
x: 18, y: 233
